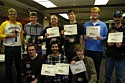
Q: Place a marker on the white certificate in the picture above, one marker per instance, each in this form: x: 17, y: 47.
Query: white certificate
x: 70, y: 29
x: 53, y: 32
x: 93, y: 31
x: 78, y: 67
x: 115, y: 37
x: 48, y: 70
x: 62, y: 69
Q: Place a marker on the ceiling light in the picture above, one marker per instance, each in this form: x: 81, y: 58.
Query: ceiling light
x: 46, y: 3
x: 101, y: 2
x: 64, y: 15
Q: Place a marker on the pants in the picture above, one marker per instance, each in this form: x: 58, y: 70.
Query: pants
x: 119, y: 66
x: 13, y: 52
x: 97, y: 57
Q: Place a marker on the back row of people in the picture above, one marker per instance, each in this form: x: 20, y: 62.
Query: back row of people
x: 11, y: 32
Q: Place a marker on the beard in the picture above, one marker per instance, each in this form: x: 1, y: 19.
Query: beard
x: 117, y: 21
x: 54, y: 51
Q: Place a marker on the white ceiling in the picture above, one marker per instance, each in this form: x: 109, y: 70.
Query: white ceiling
x: 82, y: 8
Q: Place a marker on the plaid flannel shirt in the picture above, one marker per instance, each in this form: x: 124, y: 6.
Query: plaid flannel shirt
x: 53, y: 60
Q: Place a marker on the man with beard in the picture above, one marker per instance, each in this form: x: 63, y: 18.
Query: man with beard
x: 53, y: 58
x: 94, y: 45
x: 116, y: 52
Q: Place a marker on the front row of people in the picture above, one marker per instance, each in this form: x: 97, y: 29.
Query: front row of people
x: 32, y: 65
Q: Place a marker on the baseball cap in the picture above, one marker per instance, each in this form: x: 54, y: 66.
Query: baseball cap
x: 117, y: 14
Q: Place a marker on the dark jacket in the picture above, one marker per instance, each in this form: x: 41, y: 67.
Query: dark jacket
x: 113, y: 51
x: 32, y: 67
x: 90, y: 72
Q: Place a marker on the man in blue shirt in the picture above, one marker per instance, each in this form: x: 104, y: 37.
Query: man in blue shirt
x: 94, y: 45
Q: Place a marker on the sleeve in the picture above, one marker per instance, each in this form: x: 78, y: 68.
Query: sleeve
x: 80, y: 29
x: 39, y: 76
x: 21, y: 34
x: 2, y: 35
x: 105, y: 32
x: 93, y: 75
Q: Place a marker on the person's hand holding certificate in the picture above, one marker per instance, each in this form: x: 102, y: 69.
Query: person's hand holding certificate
x: 115, y: 37
x: 53, y: 32
x: 62, y: 69
x: 70, y: 29
x: 48, y: 70
x: 93, y: 31
x: 78, y: 67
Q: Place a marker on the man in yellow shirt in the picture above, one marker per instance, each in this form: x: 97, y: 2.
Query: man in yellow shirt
x: 11, y: 33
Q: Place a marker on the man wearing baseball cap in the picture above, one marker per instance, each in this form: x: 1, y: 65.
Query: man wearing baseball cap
x: 116, y: 52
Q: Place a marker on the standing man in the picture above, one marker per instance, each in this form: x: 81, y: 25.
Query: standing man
x: 53, y: 24
x: 34, y: 30
x: 32, y: 65
x: 116, y: 52
x: 53, y: 58
x: 94, y: 45
x: 71, y: 40
x: 12, y: 34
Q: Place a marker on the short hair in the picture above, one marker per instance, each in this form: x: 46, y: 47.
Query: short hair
x: 33, y: 14
x: 54, y: 42
x: 11, y: 10
x: 95, y: 9
x: 29, y: 45
x: 70, y: 11
x: 79, y: 46
x: 54, y: 16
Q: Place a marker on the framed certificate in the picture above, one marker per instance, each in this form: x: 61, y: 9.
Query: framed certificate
x: 53, y: 32
x: 70, y: 29
x: 48, y: 70
x: 78, y: 67
x: 115, y: 37
x: 62, y: 68
x: 93, y: 31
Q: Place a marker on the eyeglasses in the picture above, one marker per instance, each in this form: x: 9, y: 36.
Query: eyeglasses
x: 12, y: 14
x: 31, y: 50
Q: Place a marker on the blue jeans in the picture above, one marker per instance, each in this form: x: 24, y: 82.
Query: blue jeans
x: 119, y: 70
x: 13, y: 53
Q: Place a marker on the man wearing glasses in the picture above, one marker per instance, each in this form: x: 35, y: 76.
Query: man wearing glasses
x: 32, y: 65
x: 11, y: 33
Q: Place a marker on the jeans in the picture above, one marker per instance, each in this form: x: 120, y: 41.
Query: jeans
x: 13, y: 53
x: 97, y: 57
x: 119, y: 70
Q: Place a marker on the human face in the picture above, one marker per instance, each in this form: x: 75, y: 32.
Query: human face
x: 79, y: 53
x: 117, y: 20
x: 55, y: 48
x: 31, y: 51
x: 12, y: 16
x: 33, y: 19
x: 95, y: 15
x: 72, y: 16
x: 53, y: 20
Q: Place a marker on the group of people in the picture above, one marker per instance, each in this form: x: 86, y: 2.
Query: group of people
x: 62, y: 49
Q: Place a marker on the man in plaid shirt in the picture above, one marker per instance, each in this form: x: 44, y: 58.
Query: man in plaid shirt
x: 53, y: 58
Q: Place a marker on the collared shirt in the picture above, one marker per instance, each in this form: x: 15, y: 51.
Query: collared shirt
x: 53, y: 60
